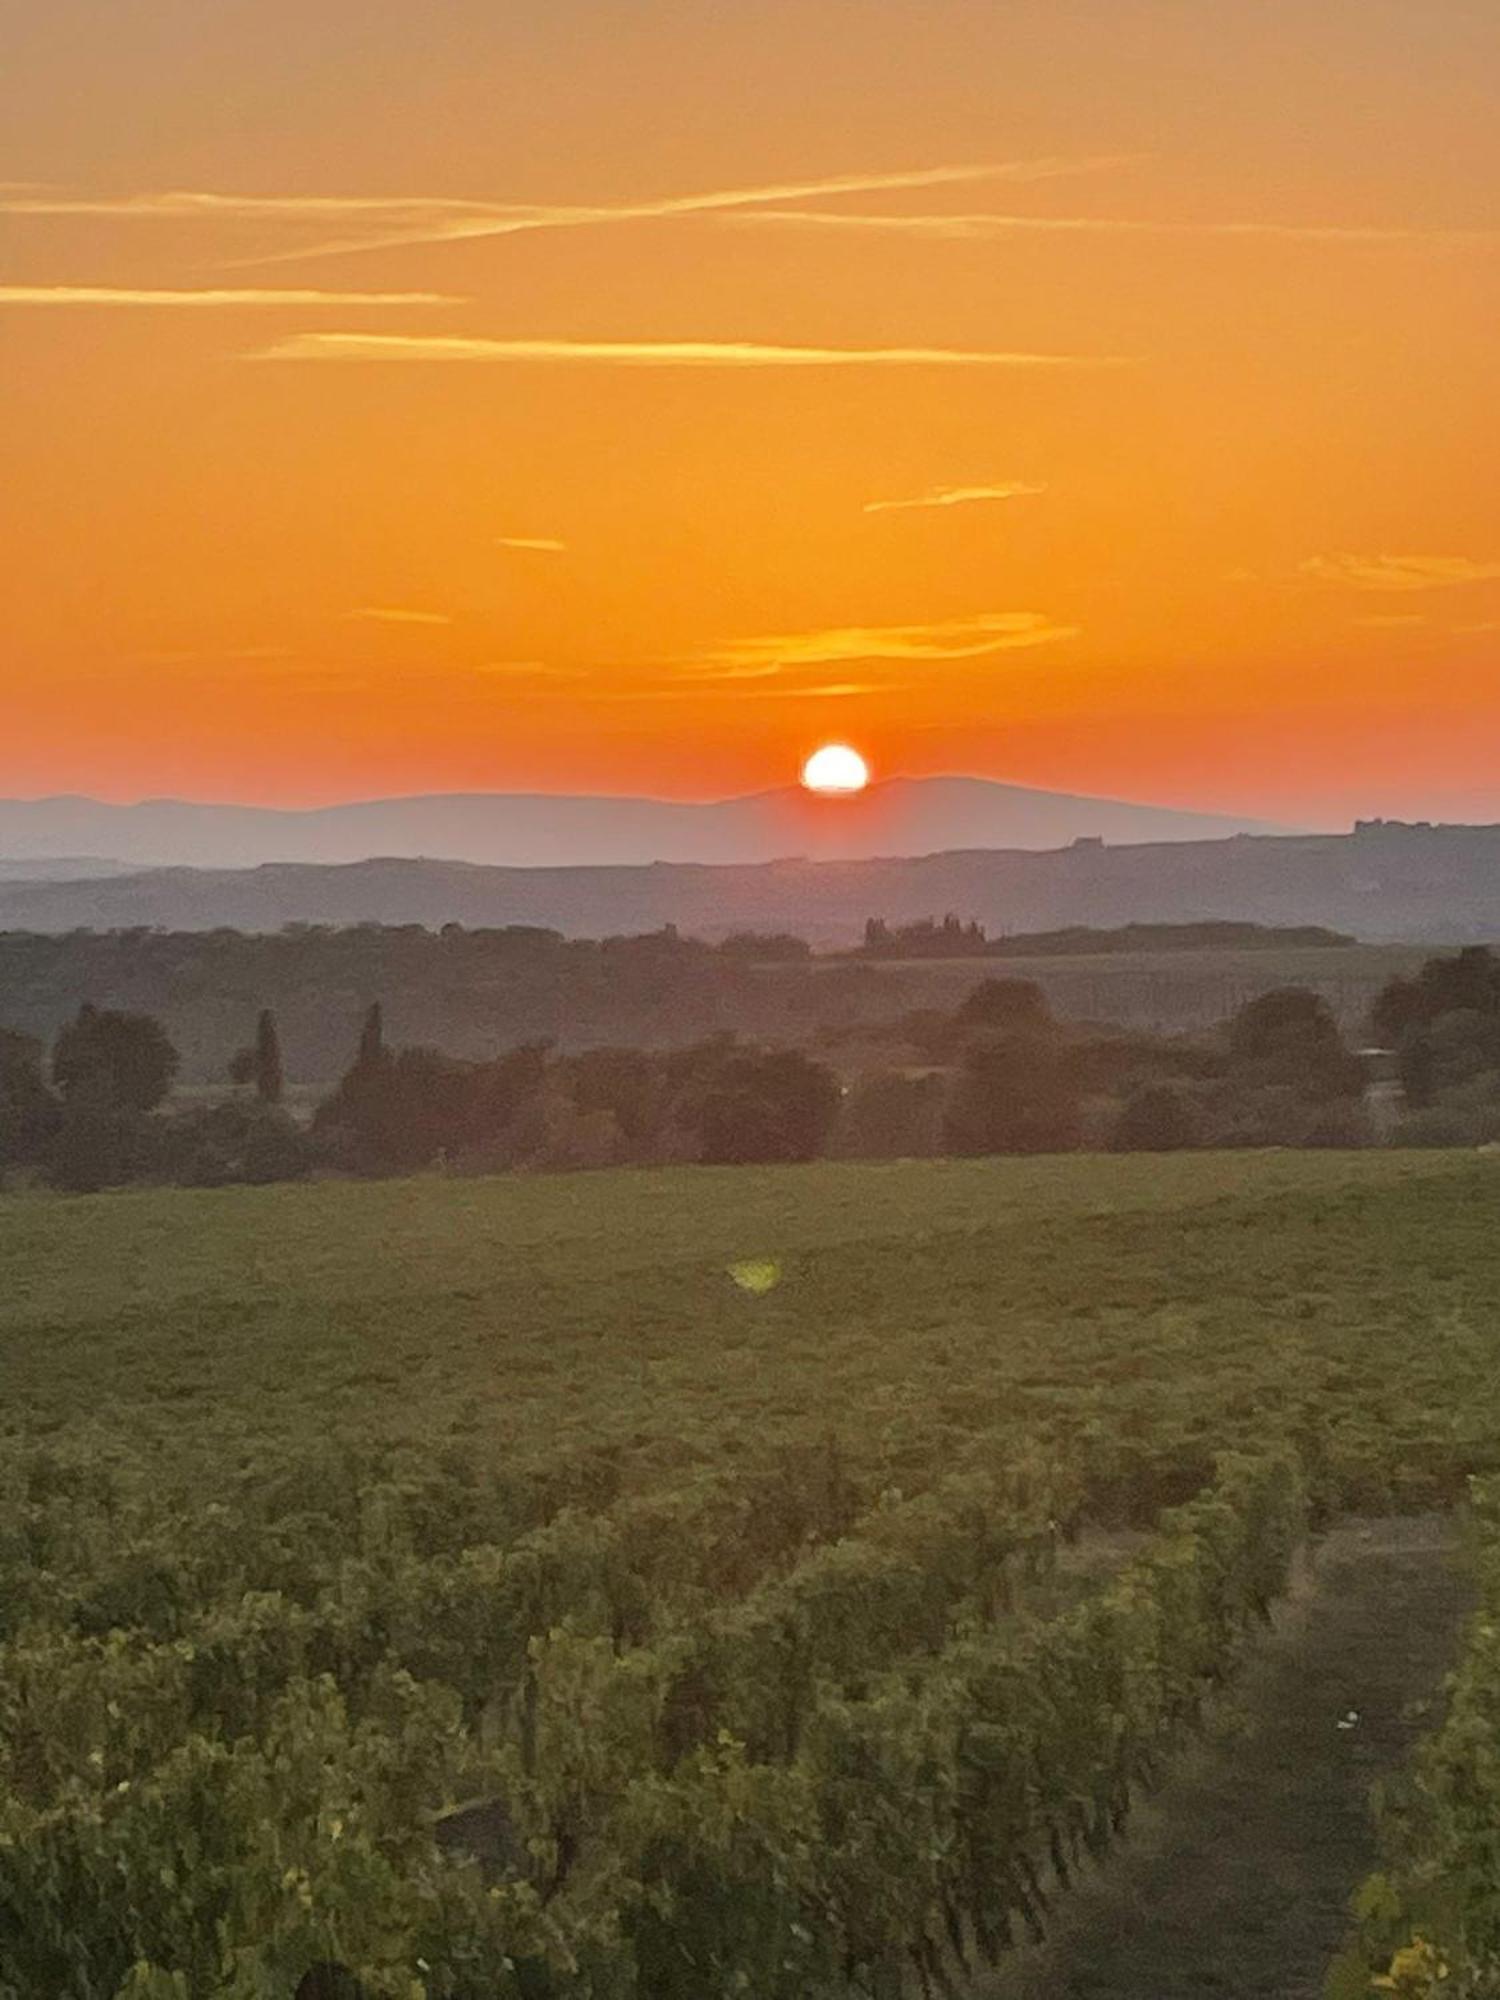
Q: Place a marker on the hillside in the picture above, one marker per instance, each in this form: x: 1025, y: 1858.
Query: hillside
x: 1395, y: 883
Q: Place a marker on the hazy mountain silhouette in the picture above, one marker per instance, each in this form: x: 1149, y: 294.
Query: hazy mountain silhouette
x: 903, y: 816
x: 60, y: 868
x: 1381, y: 883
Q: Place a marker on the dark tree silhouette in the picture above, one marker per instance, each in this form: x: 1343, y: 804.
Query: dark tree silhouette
x: 371, y: 1038
x: 1157, y: 1118
x: 1015, y: 1093
x: 1006, y: 1004
x: 99, y: 1145
x: 113, y: 1061
x: 1289, y: 1038
x: 1468, y: 983
x: 28, y: 1110
x: 764, y: 1107
x: 1417, y: 1068
x: 269, y: 1077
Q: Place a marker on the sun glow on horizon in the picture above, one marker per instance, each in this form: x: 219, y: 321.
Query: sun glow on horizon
x: 835, y: 771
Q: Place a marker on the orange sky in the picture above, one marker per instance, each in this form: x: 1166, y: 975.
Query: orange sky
x: 1153, y: 457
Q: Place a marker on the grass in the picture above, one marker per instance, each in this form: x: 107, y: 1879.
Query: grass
x: 537, y: 1317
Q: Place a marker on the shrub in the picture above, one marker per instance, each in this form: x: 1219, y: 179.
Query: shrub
x: 1158, y: 1118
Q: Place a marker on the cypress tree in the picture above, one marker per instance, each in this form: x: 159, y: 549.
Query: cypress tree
x: 371, y: 1039
x: 270, y: 1079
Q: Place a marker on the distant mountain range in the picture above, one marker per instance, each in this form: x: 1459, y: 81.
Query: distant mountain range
x: 536, y: 830
x: 1382, y: 882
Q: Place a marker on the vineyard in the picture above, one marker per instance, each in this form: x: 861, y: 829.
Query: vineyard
x: 691, y: 1584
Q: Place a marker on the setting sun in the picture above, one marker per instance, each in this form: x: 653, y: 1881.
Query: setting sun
x: 835, y: 769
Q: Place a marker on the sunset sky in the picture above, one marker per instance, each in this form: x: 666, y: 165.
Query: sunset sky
x: 580, y: 395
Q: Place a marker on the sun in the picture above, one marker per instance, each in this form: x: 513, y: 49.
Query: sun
x: 836, y: 771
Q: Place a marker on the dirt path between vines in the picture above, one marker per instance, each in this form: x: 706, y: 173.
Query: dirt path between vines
x: 1235, y: 1882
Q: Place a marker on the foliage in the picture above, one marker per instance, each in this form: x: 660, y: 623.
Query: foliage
x: 1014, y: 1093
x: 96, y: 1144
x: 473, y: 991
x: 260, y: 1064
x: 925, y: 938
x: 1005, y: 1006
x: 28, y: 1112
x: 1468, y: 983
x: 1158, y: 1118
x: 113, y: 1061
x: 220, y: 1144
x: 757, y: 1107
x: 889, y: 1115
x: 1288, y: 1039
x: 467, y: 1584
x: 1430, y: 1920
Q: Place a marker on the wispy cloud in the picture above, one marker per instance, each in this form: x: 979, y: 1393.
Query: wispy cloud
x: 945, y: 639
x: 130, y: 295
x: 386, y: 222
x: 653, y: 353
x: 529, y: 670
x: 695, y: 690
x: 957, y: 496
x: 1392, y: 621
x: 397, y: 614
x: 449, y: 222
x: 183, y: 205
x: 972, y: 228
x: 1400, y: 572
x: 534, y: 544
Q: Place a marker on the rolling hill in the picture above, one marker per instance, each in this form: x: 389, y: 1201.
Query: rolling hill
x: 902, y: 816
x: 1381, y: 883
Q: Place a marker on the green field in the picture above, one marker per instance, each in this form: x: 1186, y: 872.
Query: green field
x: 326, y: 1510
x: 591, y: 1320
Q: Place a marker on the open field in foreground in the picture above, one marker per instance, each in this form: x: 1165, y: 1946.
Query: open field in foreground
x: 796, y: 1573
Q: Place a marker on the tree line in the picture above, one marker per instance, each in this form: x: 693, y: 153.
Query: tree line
x: 472, y: 991
x: 951, y: 937
x: 1000, y: 1074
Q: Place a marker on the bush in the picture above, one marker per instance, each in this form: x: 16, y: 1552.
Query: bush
x: 1014, y: 1094
x: 761, y: 1108
x: 1158, y: 1118
x: 101, y: 1146
x: 1448, y: 1125
x: 1006, y: 1005
x: 890, y: 1116
x: 234, y: 1142
x: 1289, y: 1038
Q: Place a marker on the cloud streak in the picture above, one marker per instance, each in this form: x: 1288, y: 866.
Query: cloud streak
x: 513, y: 219
x: 816, y: 691
x: 529, y: 670
x: 652, y: 353
x: 387, y: 614
x: 971, y: 228
x: 946, y: 639
x: 219, y: 297
x: 532, y: 544
x: 1400, y: 572
x: 393, y: 222
x: 957, y: 496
